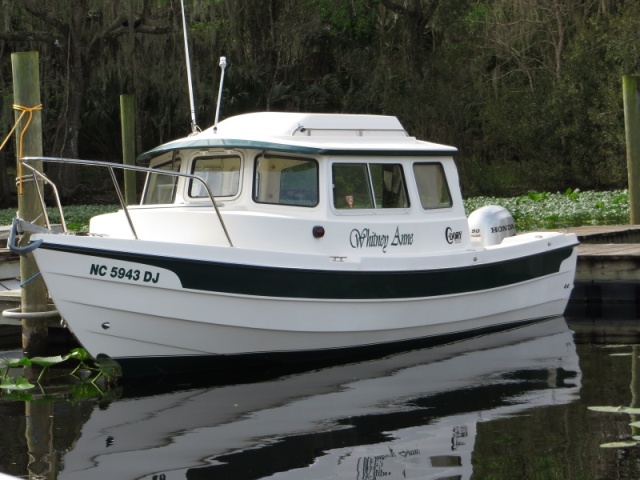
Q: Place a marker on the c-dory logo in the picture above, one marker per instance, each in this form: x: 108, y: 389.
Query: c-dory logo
x: 452, y: 237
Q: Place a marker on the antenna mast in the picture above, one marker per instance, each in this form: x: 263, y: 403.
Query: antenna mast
x: 194, y: 125
x: 223, y: 65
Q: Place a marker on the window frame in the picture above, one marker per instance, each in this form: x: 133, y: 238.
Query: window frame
x: 257, y: 183
x: 213, y: 156
x: 444, y: 185
x: 376, y: 206
x: 176, y: 164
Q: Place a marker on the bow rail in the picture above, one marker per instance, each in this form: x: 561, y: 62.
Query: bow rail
x: 36, y: 175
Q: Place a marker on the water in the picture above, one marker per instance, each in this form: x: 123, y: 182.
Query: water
x: 502, y: 406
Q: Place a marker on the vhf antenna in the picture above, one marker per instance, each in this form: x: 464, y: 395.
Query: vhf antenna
x: 194, y: 125
x: 223, y: 65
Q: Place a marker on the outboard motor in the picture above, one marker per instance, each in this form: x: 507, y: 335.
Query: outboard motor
x: 490, y: 225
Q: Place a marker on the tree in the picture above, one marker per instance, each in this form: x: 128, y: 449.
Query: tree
x: 77, y: 36
x: 418, y: 14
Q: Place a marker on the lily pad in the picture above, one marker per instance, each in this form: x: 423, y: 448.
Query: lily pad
x: 621, y: 409
x: 48, y: 361
x: 626, y: 444
x: 20, y: 383
x: 79, y: 354
x: 14, y: 362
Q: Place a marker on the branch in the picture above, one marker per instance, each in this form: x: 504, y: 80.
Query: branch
x: 37, y: 9
x: 423, y: 14
x: 141, y: 28
x: 32, y: 36
x: 395, y: 7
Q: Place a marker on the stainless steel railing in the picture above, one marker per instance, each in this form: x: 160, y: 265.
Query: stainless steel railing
x: 36, y: 175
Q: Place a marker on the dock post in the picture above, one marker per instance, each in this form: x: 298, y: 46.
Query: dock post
x: 127, y: 117
x: 26, y: 95
x: 631, y: 97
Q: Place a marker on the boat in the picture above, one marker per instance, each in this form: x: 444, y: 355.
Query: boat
x: 428, y: 403
x: 275, y: 236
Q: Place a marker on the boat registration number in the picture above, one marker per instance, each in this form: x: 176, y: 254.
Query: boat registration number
x: 122, y: 273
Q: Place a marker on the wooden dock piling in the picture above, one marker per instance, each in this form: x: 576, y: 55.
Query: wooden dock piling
x: 631, y: 97
x: 26, y: 91
x: 127, y: 116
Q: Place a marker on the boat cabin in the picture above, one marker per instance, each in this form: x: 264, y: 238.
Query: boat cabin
x: 314, y: 183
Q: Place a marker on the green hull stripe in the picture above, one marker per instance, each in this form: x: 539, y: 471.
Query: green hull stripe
x: 344, y: 285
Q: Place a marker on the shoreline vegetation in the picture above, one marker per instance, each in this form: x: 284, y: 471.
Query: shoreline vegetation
x: 531, y: 211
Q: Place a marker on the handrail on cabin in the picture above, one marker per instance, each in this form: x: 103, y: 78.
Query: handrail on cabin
x: 36, y: 174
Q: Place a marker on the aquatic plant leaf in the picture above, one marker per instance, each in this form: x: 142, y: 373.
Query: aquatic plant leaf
x: 79, y: 354
x: 626, y: 444
x: 634, y: 424
x: 7, y: 383
x: 15, y: 362
x: 48, y: 361
x: 625, y: 354
x: 20, y: 383
x: 23, y: 384
x: 620, y: 409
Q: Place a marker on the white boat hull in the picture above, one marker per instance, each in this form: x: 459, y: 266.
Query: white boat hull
x: 131, y: 305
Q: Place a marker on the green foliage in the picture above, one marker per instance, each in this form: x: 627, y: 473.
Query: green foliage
x: 76, y: 216
x: 356, y: 18
x: 529, y: 91
x: 531, y: 211
x: 544, y: 210
x: 84, y: 387
x: 19, y: 384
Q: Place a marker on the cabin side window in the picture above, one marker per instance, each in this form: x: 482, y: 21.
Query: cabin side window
x: 432, y: 185
x: 369, y: 185
x: 220, y: 173
x: 285, y: 181
x: 161, y: 188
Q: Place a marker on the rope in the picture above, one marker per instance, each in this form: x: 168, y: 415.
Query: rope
x: 24, y: 111
x: 33, y: 277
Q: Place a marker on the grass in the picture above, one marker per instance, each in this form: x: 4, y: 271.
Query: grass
x: 533, y: 211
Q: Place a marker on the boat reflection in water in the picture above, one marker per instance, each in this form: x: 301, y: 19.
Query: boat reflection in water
x: 411, y: 415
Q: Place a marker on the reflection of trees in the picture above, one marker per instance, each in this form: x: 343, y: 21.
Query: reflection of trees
x: 565, y: 441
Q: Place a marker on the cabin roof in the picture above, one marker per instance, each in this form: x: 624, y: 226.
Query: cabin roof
x: 319, y: 133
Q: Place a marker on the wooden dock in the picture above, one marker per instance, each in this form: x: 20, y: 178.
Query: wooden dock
x: 608, y: 253
x: 608, y: 268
